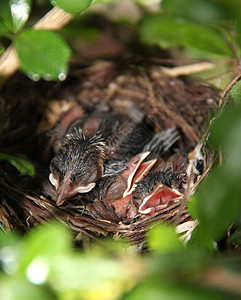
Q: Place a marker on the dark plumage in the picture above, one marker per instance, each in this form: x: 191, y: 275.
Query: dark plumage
x: 76, y: 153
x: 78, y: 165
x: 118, y: 179
x: 148, y: 183
x: 162, y: 142
x: 100, y: 190
x: 101, y: 155
x: 124, y: 137
x: 131, y: 139
x: 90, y: 143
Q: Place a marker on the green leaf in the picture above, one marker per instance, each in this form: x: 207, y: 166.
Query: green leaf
x: 235, y: 91
x: 218, y: 204
x: 155, y: 289
x: 13, y: 288
x: 237, y: 25
x: 23, y: 166
x: 204, y: 38
x: 13, y: 15
x: 2, y: 49
x: 161, y: 30
x: 218, y: 200
x: 181, y: 263
x: 226, y: 133
x: 42, y: 53
x: 192, y: 207
x: 198, y: 242
x: 236, y: 237
x: 8, y: 239
x: 46, y: 242
x: 205, y: 11
x: 162, y: 239
x: 73, y: 272
x: 3, y: 29
x: 73, y: 6
x: 6, y: 23
x: 232, y: 165
x: 20, y: 10
x: 167, y: 32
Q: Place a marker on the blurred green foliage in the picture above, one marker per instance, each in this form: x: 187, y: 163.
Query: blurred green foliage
x: 13, y: 15
x: 23, y: 166
x: 203, y: 11
x: 167, y: 31
x: 204, y: 26
x: 45, y: 264
x: 236, y: 92
x: 42, y: 53
x: 163, y: 239
x: 198, y: 28
x: 217, y: 203
x: 73, y: 6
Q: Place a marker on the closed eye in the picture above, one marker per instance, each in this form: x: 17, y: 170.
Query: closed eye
x: 93, y: 177
x: 84, y: 177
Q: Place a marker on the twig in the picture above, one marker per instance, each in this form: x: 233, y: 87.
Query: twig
x: 228, y: 87
x: 55, y: 19
x: 188, y: 69
x: 8, y: 62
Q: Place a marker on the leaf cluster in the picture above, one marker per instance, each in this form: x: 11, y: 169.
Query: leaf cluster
x: 217, y: 204
x: 42, y: 53
x: 201, y: 28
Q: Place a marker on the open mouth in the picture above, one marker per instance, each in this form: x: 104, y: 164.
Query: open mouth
x: 158, y: 199
x: 150, y: 202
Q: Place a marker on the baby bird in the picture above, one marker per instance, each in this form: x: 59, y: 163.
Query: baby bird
x: 78, y: 165
x: 89, y: 143
x: 155, y: 191
x: 113, y: 193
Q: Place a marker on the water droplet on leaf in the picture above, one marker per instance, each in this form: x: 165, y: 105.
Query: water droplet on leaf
x: 62, y: 76
x: 48, y: 77
x: 34, y: 76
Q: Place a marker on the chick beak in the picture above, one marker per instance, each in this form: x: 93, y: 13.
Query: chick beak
x: 140, y: 174
x: 123, y: 184
x: 122, y: 206
x: 63, y: 191
x: 67, y: 190
x: 136, y: 171
x: 158, y: 199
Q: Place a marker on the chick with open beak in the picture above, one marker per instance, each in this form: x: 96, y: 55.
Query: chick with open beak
x: 78, y: 165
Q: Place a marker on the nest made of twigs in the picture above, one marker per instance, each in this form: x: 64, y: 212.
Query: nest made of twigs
x: 30, y: 109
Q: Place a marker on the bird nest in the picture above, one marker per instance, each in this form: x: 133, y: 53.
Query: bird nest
x: 29, y: 111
